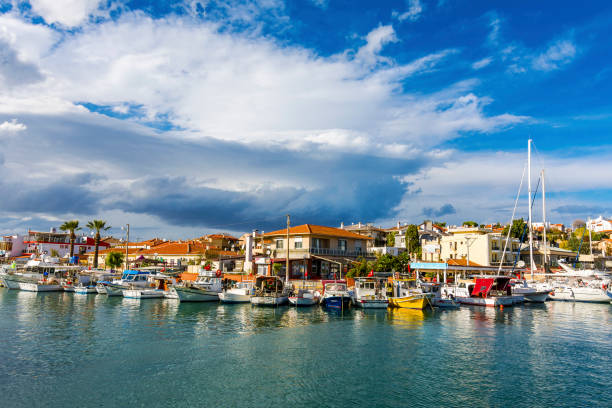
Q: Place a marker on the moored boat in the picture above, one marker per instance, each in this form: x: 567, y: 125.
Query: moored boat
x: 269, y: 291
x: 205, y: 288
x: 335, y: 294
x: 406, y: 294
x: 143, y: 293
x: 304, y: 297
x: 370, y: 293
x: 240, y: 293
x: 493, y: 291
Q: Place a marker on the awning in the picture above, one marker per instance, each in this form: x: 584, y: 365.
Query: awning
x: 482, y: 286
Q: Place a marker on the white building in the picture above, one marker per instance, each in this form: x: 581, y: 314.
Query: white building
x: 479, y: 245
x: 600, y: 224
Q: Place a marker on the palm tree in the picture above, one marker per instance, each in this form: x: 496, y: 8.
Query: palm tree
x: 71, y: 226
x: 97, y: 226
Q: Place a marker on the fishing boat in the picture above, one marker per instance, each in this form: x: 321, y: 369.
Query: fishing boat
x: 492, y: 291
x: 205, y: 288
x: 529, y: 293
x: 305, y: 297
x: 129, y: 279
x: 370, y: 293
x: 269, y: 291
x: 240, y: 293
x: 144, y: 293
x: 406, y: 294
x: 85, y: 289
x: 335, y: 294
x: 442, y: 298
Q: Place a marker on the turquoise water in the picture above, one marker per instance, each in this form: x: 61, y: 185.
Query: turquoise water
x: 59, y: 350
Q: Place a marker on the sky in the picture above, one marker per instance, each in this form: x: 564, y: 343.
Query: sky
x: 189, y: 117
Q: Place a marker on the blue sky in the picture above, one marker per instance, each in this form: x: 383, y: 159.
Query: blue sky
x: 189, y: 117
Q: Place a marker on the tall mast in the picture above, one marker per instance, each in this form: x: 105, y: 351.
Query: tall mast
x: 544, y: 218
x: 287, y: 263
x: 529, y: 189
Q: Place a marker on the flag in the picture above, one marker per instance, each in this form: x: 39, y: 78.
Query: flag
x: 371, y: 273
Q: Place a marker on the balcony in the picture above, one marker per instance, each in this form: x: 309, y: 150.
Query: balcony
x: 337, y: 252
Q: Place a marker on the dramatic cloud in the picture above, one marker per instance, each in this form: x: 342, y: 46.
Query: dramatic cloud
x: 66, y: 12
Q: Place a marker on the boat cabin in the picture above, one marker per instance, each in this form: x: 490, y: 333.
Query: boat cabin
x: 268, y: 285
x: 491, y: 286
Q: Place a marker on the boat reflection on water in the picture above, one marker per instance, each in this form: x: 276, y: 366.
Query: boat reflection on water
x: 408, y: 317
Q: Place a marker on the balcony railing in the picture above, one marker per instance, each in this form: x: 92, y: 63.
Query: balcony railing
x: 336, y: 252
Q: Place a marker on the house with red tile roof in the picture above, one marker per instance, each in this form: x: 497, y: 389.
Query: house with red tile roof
x: 315, y: 251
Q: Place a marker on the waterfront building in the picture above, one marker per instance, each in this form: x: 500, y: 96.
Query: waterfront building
x: 599, y: 224
x: 51, y: 243
x: 11, y: 246
x: 553, y: 255
x: 315, y: 251
x: 479, y: 245
x: 378, y: 235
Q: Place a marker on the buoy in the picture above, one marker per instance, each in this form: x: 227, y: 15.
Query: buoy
x: 501, y: 307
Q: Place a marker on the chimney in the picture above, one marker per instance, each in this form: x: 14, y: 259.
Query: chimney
x: 342, y: 225
x: 398, y: 224
x: 188, y: 247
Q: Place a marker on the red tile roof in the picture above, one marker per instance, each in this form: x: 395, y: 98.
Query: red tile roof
x: 309, y: 229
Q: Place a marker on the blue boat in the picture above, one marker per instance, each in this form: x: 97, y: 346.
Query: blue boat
x: 335, y: 294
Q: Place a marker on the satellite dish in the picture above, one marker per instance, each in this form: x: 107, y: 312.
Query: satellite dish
x: 520, y: 264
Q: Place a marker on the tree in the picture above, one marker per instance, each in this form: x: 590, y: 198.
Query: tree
x: 361, y: 268
x: 277, y: 268
x: 97, y: 226
x: 413, y: 243
x: 385, y: 263
x: 516, y: 230
x: 439, y: 224
x: 402, y: 261
x: 470, y: 224
x: 391, y: 239
x: 114, y: 259
x: 71, y: 226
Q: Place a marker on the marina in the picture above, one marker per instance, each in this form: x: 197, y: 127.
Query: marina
x: 297, y: 356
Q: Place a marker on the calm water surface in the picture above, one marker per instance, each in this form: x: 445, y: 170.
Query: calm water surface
x: 59, y: 350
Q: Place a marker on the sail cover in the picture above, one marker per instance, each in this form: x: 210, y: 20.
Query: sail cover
x: 482, y: 286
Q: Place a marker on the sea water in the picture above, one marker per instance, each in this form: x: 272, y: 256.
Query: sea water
x: 63, y: 350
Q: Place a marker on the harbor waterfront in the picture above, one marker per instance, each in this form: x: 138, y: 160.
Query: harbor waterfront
x: 61, y: 350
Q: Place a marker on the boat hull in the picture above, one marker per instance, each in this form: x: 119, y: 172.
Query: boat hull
x: 372, y: 303
x: 101, y: 289
x: 444, y: 303
x: 114, y: 290
x: 571, y: 295
x: 196, y: 295
x: 37, y: 287
x: 85, y: 291
x: 536, y: 297
x: 10, y: 284
x: 229, y: 297
x: 143, y: 293
x: 418, y: 302
x: 269, y: 300
x: 489, y: 302
x: 302, y: 301
x: 336, y: 302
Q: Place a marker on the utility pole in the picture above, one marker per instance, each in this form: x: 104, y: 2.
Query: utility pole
x: 287, y: 260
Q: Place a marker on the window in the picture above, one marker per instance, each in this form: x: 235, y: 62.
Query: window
x: 279, y: 244
x: 342, y: 244
x: 297, y: 242
x: 316, y: 243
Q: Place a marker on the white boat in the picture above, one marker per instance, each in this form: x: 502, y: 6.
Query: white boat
x: 529, y: 293
x: 305, y: 297
x: 441, y: 295
x: 241, y: 293
x: 101, y: 289
x: 205, y: 288
x: 493, y: 291
x: 130, y: 279
x: 171, y: 294
x: 594, y: 291
x: 85, y: 290
x: 269, y: 291
x: 144, y: 293
x: 370, y: 293
x: 41, y: 286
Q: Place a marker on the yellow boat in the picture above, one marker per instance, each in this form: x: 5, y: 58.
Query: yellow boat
x: 406, y: 295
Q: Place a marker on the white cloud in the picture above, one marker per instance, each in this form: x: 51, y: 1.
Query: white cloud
x: 375, y: 41
x: 482, y: 63
x: 12, y: 126
x: 559, y: 53
x: 413, y: 13
x: 69, y: 13
x: 495, y: 26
